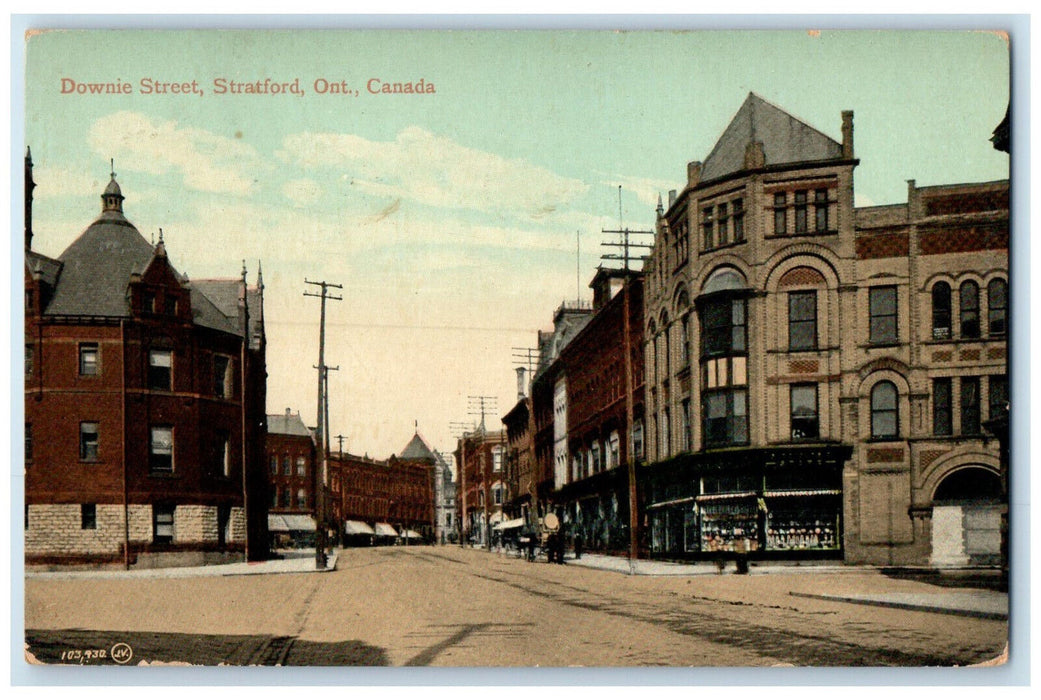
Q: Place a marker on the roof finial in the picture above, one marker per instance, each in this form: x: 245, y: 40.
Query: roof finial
x: 160, y: 235
x: 112, y: 167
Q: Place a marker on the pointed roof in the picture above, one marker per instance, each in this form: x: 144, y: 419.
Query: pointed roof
x: 785, y: 140
x: 418, y: 451
x: 287, y: 424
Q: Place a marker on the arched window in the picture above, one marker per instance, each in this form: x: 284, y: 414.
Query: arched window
x: 941, y: 311
x: 997, y: 307
x: 884, y: 411
x: 969, y: 298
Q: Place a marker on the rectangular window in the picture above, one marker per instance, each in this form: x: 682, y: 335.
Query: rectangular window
x: 497, y: 461
x: 162, y: 523
x: 274, y: 497
x: 161, y: 450
x: 802, y: 320
x: 273, y: 462
x: 29, y: 442
x: 301, y: 498
x: 942, y: 416
x: 148, y: 304
x: 287, y: 466
x: 685, y: 425
x: 800, y: 212
x: 820, y: 210
x: 804, y: 412
x: 301, y: 466
x: 726, y: 418
x: 724, y: 330
x: 638, y: 440
x: 221, y: 376
x: 970, y: 405
x: 28, y: 360
x: 723, y: 225
x: 739, y: 220
x: 882, y: 307
x: 88, y: 359
x: 780, y: 215
x: 685, y: 343
x: 707, y: 229
x: 89, y: 442
x: 160, y: 366
x: 997, y: 396
x: 88, y: 516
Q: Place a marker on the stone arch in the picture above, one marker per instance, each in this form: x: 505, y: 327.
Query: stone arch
x: 966, y: 517
x: 729, y: 261
x: 821, y: 258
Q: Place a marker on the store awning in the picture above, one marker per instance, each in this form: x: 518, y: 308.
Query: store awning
x: 411, y: 534
x: 804, y: 492
x: 290, y: 523
x: 385, y: 530
x: 510, y: 524
x: 357, y: 527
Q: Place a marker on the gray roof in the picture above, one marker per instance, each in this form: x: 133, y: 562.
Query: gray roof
x: 785, y: 140
x: 418, y: 451
x: 286, y: 424
x: 224, y: 297
x: 96, y: 269
x: 49, y: 268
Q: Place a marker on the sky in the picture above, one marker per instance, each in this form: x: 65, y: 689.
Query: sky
x: 456, y: 221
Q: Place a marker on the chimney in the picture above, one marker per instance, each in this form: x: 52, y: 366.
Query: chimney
x: 755, y: 156
x: 847, y: 134
x: 672, y: 198
x: 287, y: 413
x: 522, y: 390
x: 693, y: 173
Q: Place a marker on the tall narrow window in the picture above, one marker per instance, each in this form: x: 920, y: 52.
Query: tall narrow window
x: 685, y: 343
x: 287, y: 466
x: 160, y: 367
x: 970, y: 405
x: 800, y: 212
x: 997, y: 307
x: 942, y: 416
x: 28, y: 361
x: 708, y: 241
x: 301, y: 498
x: 89, y: 442
x: 161, y: 450
x: 162, y: 523
x: 88, y: 516
x: 221, y: 376
x: 941, y: 311
x: 724, y: 343
x: 28, y: 442
x: 780, y: 215
x: 88, y: 359
x: 802, y: 320
x: 969, y: 302
x: 884, y: 411
x: 820, y: 210
x: 223, y: 454
x: 301, y: 466
x: 805, y: 418
x: 997, y: 396
x: 638, y: 440
x: 882, y: 307
x: 666, y: 444
x: 273, y: 462
x: 723, y: 232
x: 739, y: 220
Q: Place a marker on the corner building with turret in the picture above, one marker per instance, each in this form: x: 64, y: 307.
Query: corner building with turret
x: 818, y: 374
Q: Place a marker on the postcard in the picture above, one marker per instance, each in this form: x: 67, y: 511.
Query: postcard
x: 516, y: 349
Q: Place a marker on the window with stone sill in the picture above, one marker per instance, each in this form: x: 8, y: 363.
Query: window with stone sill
x: 88, y: 360
x: 805, y: 418
x: 161, y: 450
x: 943, y: 423
x: 941, y: 298
x: 89, y: 442
x: 160, y: 369
x: 882, y: 309
x: 885, y: 417
x: 970, y: 406
x: 88, y: 516
x: 997, y: 307
x: 969, y: 309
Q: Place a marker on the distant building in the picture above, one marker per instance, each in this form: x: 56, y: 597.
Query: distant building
x: 144, y: 401
x: 480, y: 459
x: 384, y: 502
x: 291, y: 473
x: 817, y: 374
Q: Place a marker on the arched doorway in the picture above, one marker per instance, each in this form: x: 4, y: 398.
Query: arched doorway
x: 967, y: 519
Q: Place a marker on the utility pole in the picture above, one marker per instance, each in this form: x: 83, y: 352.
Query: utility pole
x: 625, y: 257
x: 341, y: 438
x: 483, y: 404
x: 322, y: 415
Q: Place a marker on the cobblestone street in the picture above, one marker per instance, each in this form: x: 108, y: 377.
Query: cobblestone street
x: 445, y: 606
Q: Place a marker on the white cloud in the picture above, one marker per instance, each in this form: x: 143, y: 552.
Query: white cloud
x: 302, y: 192
x: 62, y: 182
x: 206, y: 161
x: 436, y: 171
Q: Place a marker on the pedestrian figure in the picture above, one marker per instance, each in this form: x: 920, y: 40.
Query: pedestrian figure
x: 578, y: 545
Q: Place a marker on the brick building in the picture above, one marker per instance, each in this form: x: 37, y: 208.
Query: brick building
x: 291, y: 472
x: 817, y: 373
x: 480, y: 457
x: 377, y: 501
x: 144, y: 401
x: 579, y: 400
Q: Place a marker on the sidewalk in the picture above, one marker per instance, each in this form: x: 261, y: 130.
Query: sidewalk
x: 977, y: 602
x: 293, y: 562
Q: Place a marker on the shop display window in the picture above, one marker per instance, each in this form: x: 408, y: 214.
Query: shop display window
x: 795, y: 528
